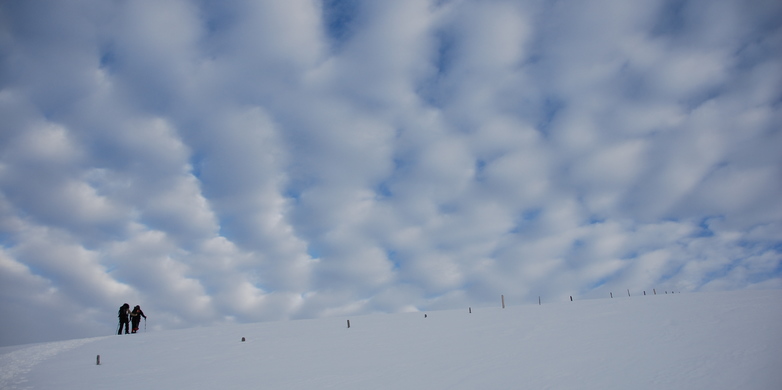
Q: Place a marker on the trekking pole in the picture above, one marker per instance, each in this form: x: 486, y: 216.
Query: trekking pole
x: 145, y: 324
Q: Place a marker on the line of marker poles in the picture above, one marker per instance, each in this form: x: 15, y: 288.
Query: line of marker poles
x: 540, y: 302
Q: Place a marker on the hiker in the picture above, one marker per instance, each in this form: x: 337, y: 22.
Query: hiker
x: 135, y: 316
x: 124, y: 311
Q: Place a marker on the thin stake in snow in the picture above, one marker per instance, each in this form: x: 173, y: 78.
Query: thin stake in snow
x: 97, y: 361
x: 571, y: 298
x: 612, y: 294
x: 469, y: 310
x: 242, y: 339
x: 655, y: 291
x: 503, y: 300
x: 628, y: 292
x: 348, y: 323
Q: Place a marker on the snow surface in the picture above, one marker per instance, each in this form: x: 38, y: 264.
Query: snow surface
x: 728, y: 340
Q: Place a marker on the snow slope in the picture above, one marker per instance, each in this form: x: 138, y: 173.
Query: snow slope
x: 729, y: 340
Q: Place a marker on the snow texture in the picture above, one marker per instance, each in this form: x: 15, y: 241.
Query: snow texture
x: 727, y: 340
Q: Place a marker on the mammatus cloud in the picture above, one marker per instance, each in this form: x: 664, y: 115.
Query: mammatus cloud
x: 251, y: 161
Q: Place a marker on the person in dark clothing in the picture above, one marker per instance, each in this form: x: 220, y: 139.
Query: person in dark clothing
x: 135, y: 317
x: 124, y: 313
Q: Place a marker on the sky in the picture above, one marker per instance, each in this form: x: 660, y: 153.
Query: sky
x: 246, y: 161
x: 681, y: 341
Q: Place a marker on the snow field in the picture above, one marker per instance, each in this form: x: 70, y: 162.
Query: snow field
x: 682, y: 341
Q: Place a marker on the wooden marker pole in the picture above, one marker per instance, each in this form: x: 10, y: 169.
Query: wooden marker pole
x: 503, y: 300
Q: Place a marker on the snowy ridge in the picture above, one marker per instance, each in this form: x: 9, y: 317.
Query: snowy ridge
x: 727, y: 340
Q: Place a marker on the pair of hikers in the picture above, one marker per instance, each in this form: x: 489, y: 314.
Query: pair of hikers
x: 126, y: 316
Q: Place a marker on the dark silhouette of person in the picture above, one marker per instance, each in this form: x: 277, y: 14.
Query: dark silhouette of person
x: 135, y: 317
x: 124, y: 313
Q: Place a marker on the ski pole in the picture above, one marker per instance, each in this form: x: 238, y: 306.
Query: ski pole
x: 145, y: 324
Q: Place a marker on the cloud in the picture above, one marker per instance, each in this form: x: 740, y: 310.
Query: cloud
x: 243, y: 161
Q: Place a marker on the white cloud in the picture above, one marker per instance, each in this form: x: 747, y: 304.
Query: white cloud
x: 246, y: 161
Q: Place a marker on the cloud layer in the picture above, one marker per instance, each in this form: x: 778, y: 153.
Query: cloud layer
x: 247, y: 161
